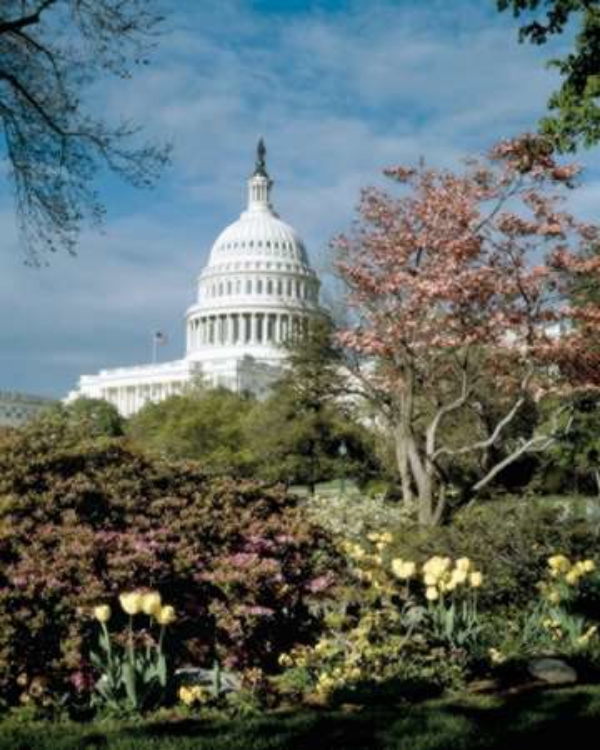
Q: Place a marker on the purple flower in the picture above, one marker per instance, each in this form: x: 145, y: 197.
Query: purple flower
x: 321, y: 583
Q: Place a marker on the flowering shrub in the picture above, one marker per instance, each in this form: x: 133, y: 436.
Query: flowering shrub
x: 239, y: 562
x: 553, y: 625
x: 413, y: 623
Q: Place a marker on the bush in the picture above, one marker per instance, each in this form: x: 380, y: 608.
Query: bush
x: 80, y: 523
x: 511, y: 539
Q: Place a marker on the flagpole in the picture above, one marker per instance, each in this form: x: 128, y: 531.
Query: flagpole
x: 154, y: 343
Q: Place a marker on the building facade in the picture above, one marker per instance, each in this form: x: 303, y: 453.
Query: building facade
x: 18, y: 408
x: 256, y: 292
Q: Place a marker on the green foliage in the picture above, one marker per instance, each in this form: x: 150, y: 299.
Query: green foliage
x: 131, y: 679
x: 572, y: 464
x: 203, y: 425
x: 510, y: 540
x: 79, y: 524
x: 294, y: 436
x: 81, y: 420
x: 576, y: 118
x: 299, y: 431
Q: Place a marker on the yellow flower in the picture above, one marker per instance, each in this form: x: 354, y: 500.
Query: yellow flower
x: 476, y: 579
x: 186, y: 695
x: 588, y: 566
x: 403, y: 568
x: 373, y: 536
x: 572, y: 577
x: 459, y: 576
x: 437, y: 565
x: 559, y: 563
x: 463, y: 564
x: 131, y: 602
x: 430, y: 580
x: 553, y: 596
x: 431, y: 594
x: 386, y: 537
x: 496, y: 657
x: 151, y: 602
x: 102, y: 613
x: 165, y: 615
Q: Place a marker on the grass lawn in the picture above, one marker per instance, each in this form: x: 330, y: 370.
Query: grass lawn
x: 519, y: 722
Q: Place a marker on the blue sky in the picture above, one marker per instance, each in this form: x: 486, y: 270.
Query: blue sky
x: 339, y: 89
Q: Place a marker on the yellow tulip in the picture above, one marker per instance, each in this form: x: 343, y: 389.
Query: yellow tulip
x: 131, y: 602
x: 463, y: 564
x: 437, y: 565
x: 403, y: 568
x: 102, y: 613
x: 165, y: 615
x: 432, y: 594
x: 459, y: 576
x: 409, y: 569
x: 476, y: 579
x: 151, y: 602
x: 430, y: 580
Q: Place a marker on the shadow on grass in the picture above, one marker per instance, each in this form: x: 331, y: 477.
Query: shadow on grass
x: 519, y: 721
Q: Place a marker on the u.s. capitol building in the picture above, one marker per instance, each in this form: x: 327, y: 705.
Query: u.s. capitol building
x: 256, y: 292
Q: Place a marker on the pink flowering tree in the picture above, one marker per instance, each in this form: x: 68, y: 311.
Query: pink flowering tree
x: 465, y: 279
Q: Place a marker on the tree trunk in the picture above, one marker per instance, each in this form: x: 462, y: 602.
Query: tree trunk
x: 401, y: 444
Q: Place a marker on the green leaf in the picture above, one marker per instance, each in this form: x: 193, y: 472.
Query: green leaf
x: 129, y: 680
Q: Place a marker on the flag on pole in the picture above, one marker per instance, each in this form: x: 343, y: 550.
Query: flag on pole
x: 158, y: 339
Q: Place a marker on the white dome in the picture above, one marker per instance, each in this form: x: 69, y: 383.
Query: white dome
x: 258, y: 234
x: 258, y: 287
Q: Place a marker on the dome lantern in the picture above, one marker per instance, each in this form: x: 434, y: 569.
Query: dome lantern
x: 259, y: 184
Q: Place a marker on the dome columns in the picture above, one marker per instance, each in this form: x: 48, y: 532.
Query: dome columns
x: 244, y: 328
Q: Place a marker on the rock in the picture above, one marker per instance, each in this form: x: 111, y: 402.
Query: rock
x: 552, y: 671
x: 484, y: 686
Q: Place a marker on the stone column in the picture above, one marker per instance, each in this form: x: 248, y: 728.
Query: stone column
x: 235, y: 328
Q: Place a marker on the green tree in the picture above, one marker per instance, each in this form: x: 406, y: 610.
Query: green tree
x: 51, y: 52
x: 298, y: 432
x: 202, y: 425
x: 71, y: 424
x: 573, y: 462
x: 575, y: 117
